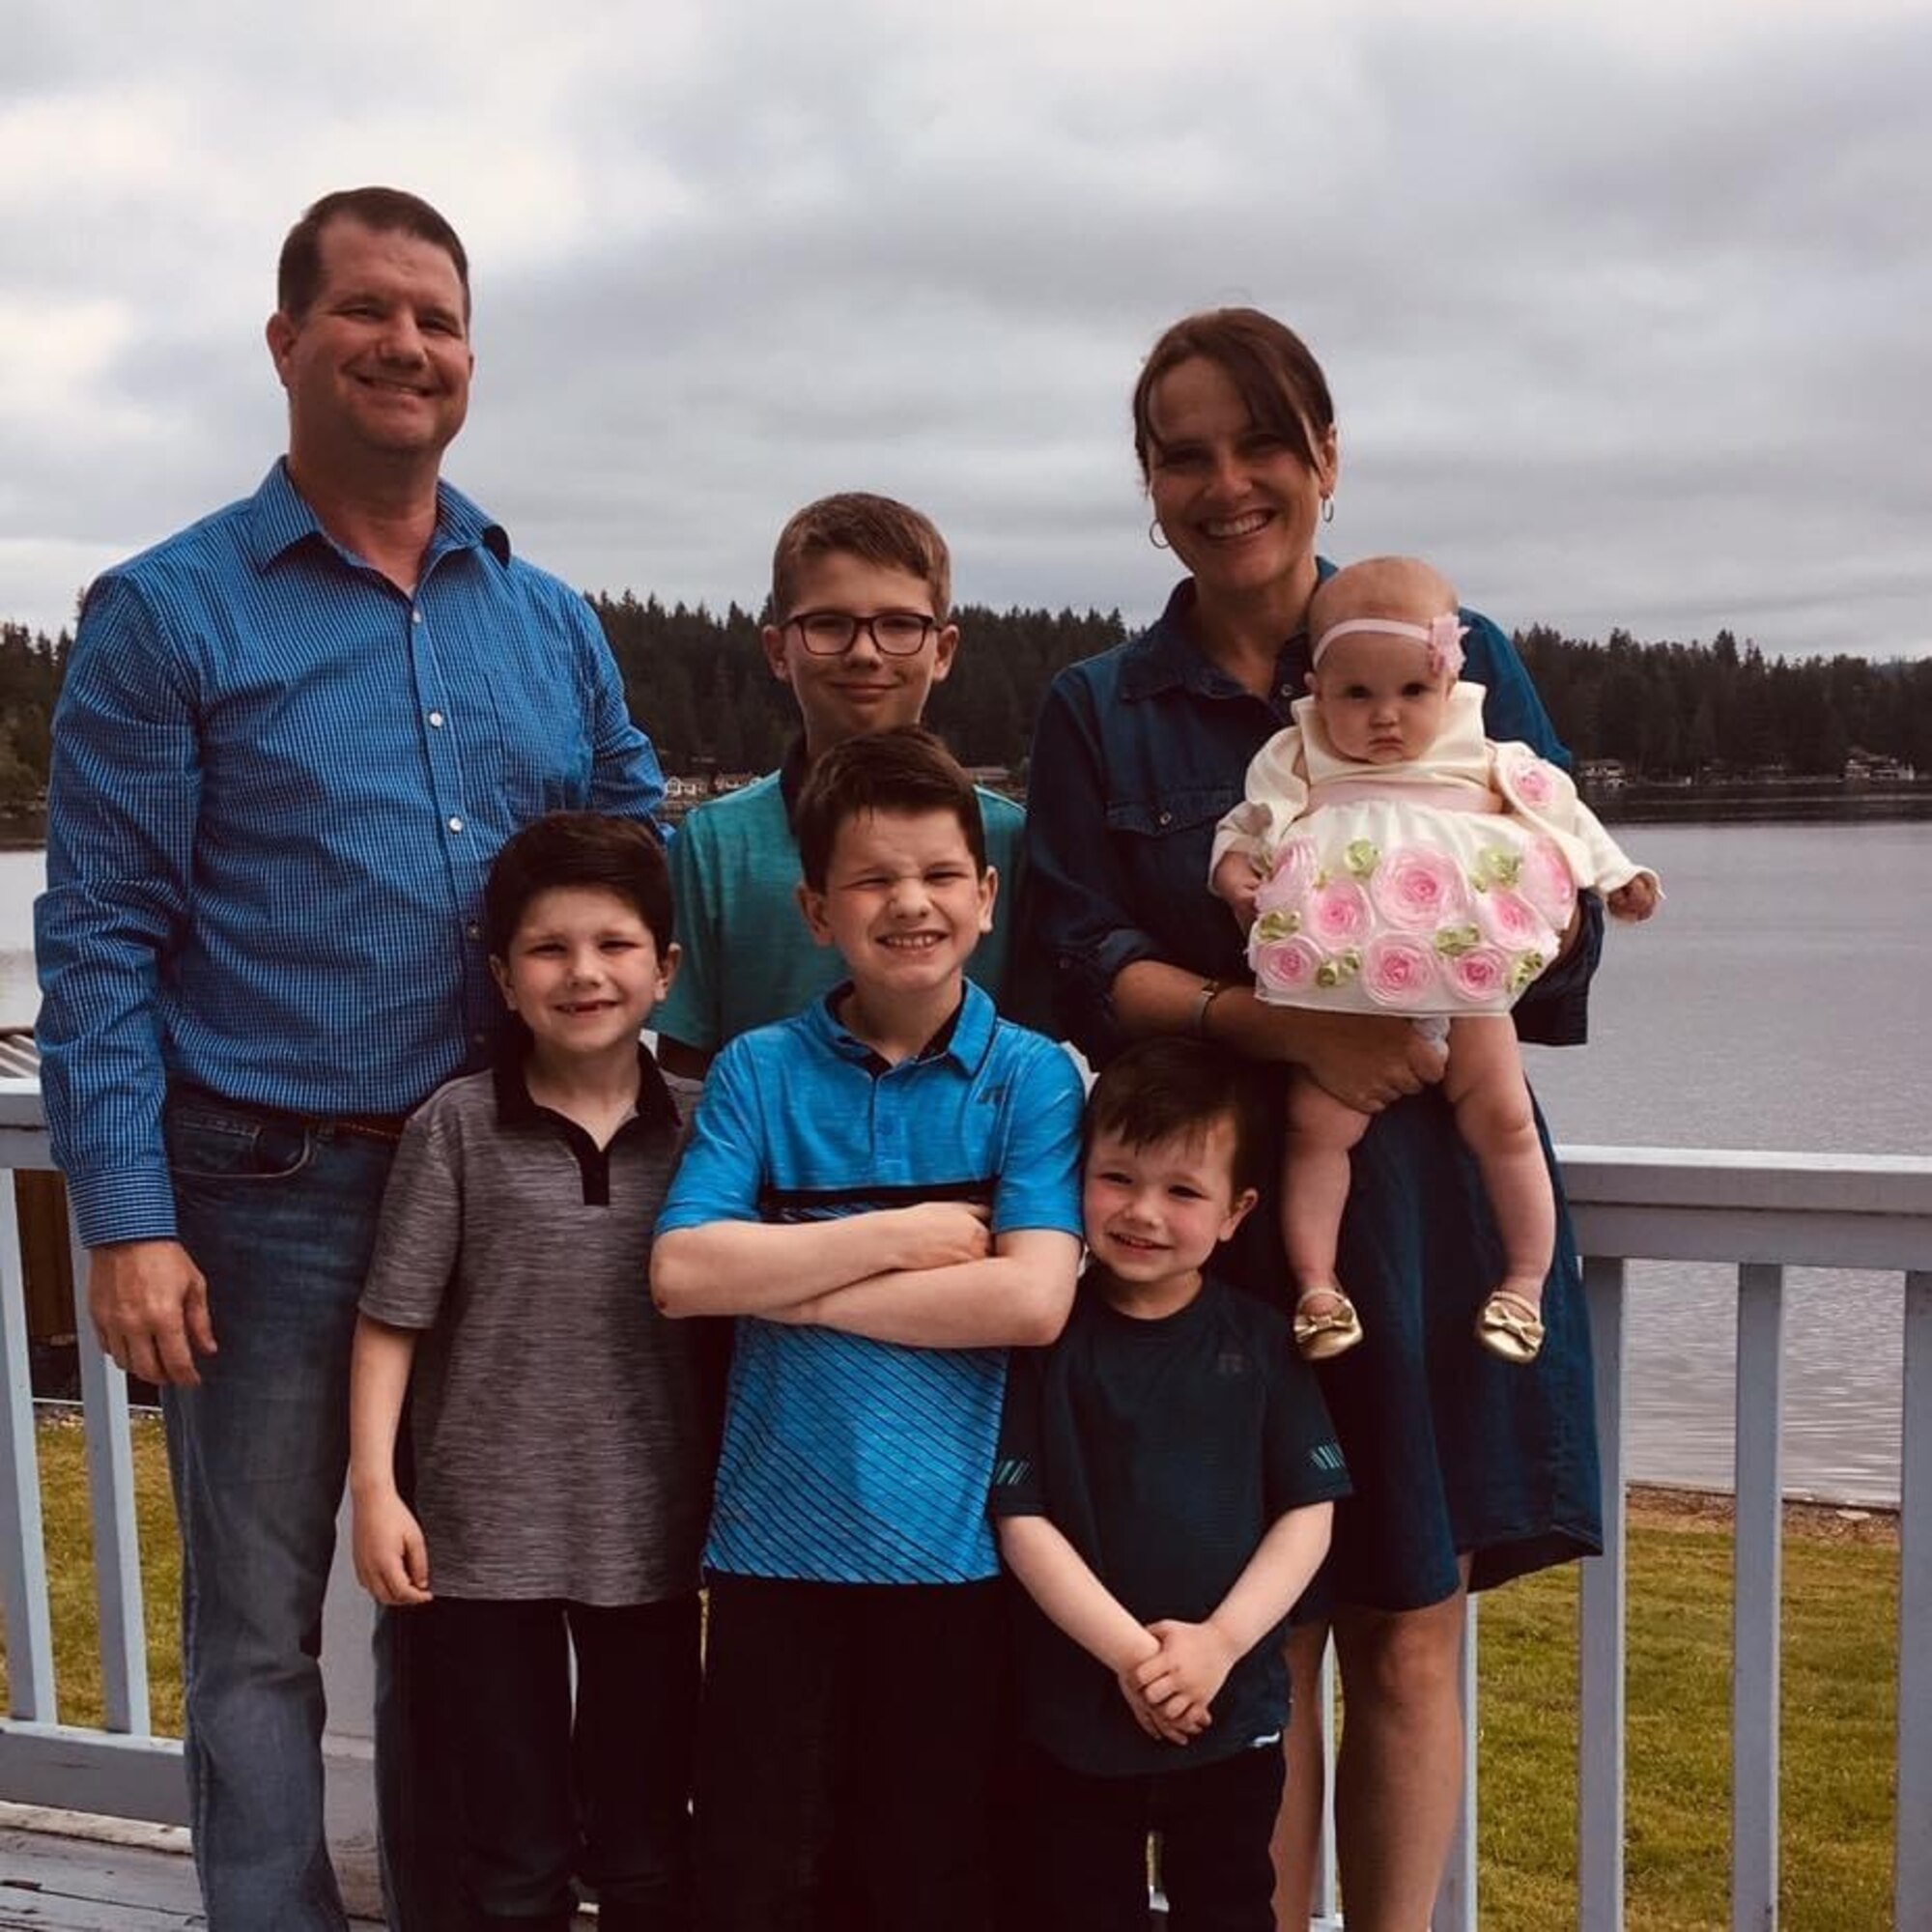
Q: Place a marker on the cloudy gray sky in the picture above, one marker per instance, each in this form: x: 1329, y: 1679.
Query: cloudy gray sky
x: 1623, y: 306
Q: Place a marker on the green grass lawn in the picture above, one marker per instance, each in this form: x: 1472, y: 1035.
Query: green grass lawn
x: 69, y: 1545
x: 1840, y: 1675
x: 1840, y: 1667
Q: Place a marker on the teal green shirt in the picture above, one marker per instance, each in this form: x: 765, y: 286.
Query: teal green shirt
x: 749, y: 959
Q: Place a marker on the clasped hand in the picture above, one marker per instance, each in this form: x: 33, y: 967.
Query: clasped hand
x: 1170, y: 1693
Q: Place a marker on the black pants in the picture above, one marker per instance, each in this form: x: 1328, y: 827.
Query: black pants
x: 1090, y: 1837
x: 844, y: 1755
x: 545, y: 1792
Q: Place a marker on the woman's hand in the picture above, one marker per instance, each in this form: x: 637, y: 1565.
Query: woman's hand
x: 1365, y: 1060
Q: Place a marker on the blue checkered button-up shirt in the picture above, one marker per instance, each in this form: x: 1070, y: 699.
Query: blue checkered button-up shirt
x: 278, y: 783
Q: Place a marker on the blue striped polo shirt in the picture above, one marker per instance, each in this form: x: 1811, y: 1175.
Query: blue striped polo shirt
x: 845, y: 1459
x: 278, y: 783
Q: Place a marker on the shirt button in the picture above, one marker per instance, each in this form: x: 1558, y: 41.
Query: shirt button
x: 472, y: 930
x: 1167, y: 819
x: 415, y: 616
x: 456, y: 825
x: 480, y: 1039
x: 436, y: 719
x: 1286, y: 689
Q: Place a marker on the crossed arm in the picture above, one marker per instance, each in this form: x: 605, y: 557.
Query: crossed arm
x: 930, y: 1276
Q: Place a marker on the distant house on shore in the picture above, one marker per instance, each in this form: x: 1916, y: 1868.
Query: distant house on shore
x: 1602, y: 775
x: 1876, y: 768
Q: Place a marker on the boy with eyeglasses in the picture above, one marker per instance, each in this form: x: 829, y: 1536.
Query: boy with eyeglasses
x: 861, y: 632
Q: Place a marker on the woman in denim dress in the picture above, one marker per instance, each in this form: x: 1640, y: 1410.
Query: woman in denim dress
x: 1467, y: 1471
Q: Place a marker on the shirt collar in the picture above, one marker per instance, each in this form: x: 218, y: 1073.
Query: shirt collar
x: 279, y: 519
x: 656, y: 1109
x: 964, y: 1039
x: 1165, y: 657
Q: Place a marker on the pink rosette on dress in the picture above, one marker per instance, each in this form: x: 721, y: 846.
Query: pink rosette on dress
x: 1338, y: 914
x: 1287, y: 885
x: 1284, y: 968
x: 1510, y: 921
x: 1534, y: 781
x: 1548, y: 883
x: 1417, y: 888
x: 1480, y: 975
x: 1400, y: 972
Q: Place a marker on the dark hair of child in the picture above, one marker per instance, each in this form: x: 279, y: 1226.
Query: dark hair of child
x: 618, y: 855
x: 905, y: 770
x: 1174, y: 1088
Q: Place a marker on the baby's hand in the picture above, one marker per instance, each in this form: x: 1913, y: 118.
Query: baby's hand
x: 1183, y: 1681
x: 1236, y: 880
x: 391, y: 1557
x: 1635, y: 900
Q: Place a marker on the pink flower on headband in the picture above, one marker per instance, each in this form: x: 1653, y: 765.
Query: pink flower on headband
x: 1441, y: 638
x: 1445, y: 644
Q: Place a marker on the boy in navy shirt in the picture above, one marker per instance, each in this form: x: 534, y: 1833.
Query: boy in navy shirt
x: 884, y: 1190
x: 1165, y: 1482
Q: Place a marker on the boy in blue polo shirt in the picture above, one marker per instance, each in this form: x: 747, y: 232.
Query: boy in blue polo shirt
x: 883, y: 1189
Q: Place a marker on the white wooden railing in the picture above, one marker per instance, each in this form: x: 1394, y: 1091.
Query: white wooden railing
x: 1761, y: 1212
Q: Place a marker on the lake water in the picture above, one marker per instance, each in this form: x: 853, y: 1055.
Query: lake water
x: 1767, y: 1005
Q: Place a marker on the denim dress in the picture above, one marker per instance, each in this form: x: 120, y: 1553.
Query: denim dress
x: 1136, y: 755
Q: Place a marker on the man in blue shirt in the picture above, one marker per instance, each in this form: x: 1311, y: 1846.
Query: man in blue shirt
x: 291, y: 739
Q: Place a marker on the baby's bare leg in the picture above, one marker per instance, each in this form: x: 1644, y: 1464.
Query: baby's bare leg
x: 1321, y: 1134
x: 1483, y: 1082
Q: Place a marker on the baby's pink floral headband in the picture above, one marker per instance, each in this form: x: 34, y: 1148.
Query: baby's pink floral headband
x: 1444, y: 636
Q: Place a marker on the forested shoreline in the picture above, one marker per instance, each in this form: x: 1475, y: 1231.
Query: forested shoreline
x: 1667, y: 711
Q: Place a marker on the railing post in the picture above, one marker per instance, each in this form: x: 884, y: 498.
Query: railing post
x: 1325, y: 1896
x: 1600, y: 1769
x: 1454, y: 1908
x: 117, y: 1548
x: 23, y: 1576
x: 1911, y: 1839
x: 1756, y: 1596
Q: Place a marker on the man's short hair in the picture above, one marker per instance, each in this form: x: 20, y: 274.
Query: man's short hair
x: 877, y: 530
x: 904, y: 770
x: 619, y: 856
x: 1175, y: 1089
x: 388, y: 210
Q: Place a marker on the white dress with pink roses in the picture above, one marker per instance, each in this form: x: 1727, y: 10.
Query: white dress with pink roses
x: 1440, y: 885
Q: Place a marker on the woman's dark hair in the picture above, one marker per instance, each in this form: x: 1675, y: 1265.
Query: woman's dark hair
x: 1175, y: 1089
x: 619, y: 856
x: 1269, y: 365
x: 906, y: 770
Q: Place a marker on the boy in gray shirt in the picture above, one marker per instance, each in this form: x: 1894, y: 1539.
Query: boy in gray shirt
x: 563, y: 1431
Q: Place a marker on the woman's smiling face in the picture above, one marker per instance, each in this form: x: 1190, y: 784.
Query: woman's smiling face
x: 1234, y: 499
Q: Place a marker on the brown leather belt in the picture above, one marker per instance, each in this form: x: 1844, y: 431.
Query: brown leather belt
x: 370, y: 1127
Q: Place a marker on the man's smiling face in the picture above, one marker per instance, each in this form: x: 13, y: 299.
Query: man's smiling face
x: 378, y: 364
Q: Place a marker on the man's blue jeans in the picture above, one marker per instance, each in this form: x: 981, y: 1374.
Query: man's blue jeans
x: 281, y: 1220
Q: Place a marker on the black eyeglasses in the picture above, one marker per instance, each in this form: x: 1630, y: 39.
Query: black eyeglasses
x: 830, y: 634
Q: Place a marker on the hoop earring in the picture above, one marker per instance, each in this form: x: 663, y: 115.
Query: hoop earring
x: 1327, y: 509
x: 1155, y: 538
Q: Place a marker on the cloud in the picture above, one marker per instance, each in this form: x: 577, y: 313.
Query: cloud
x: 1620, y: 310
